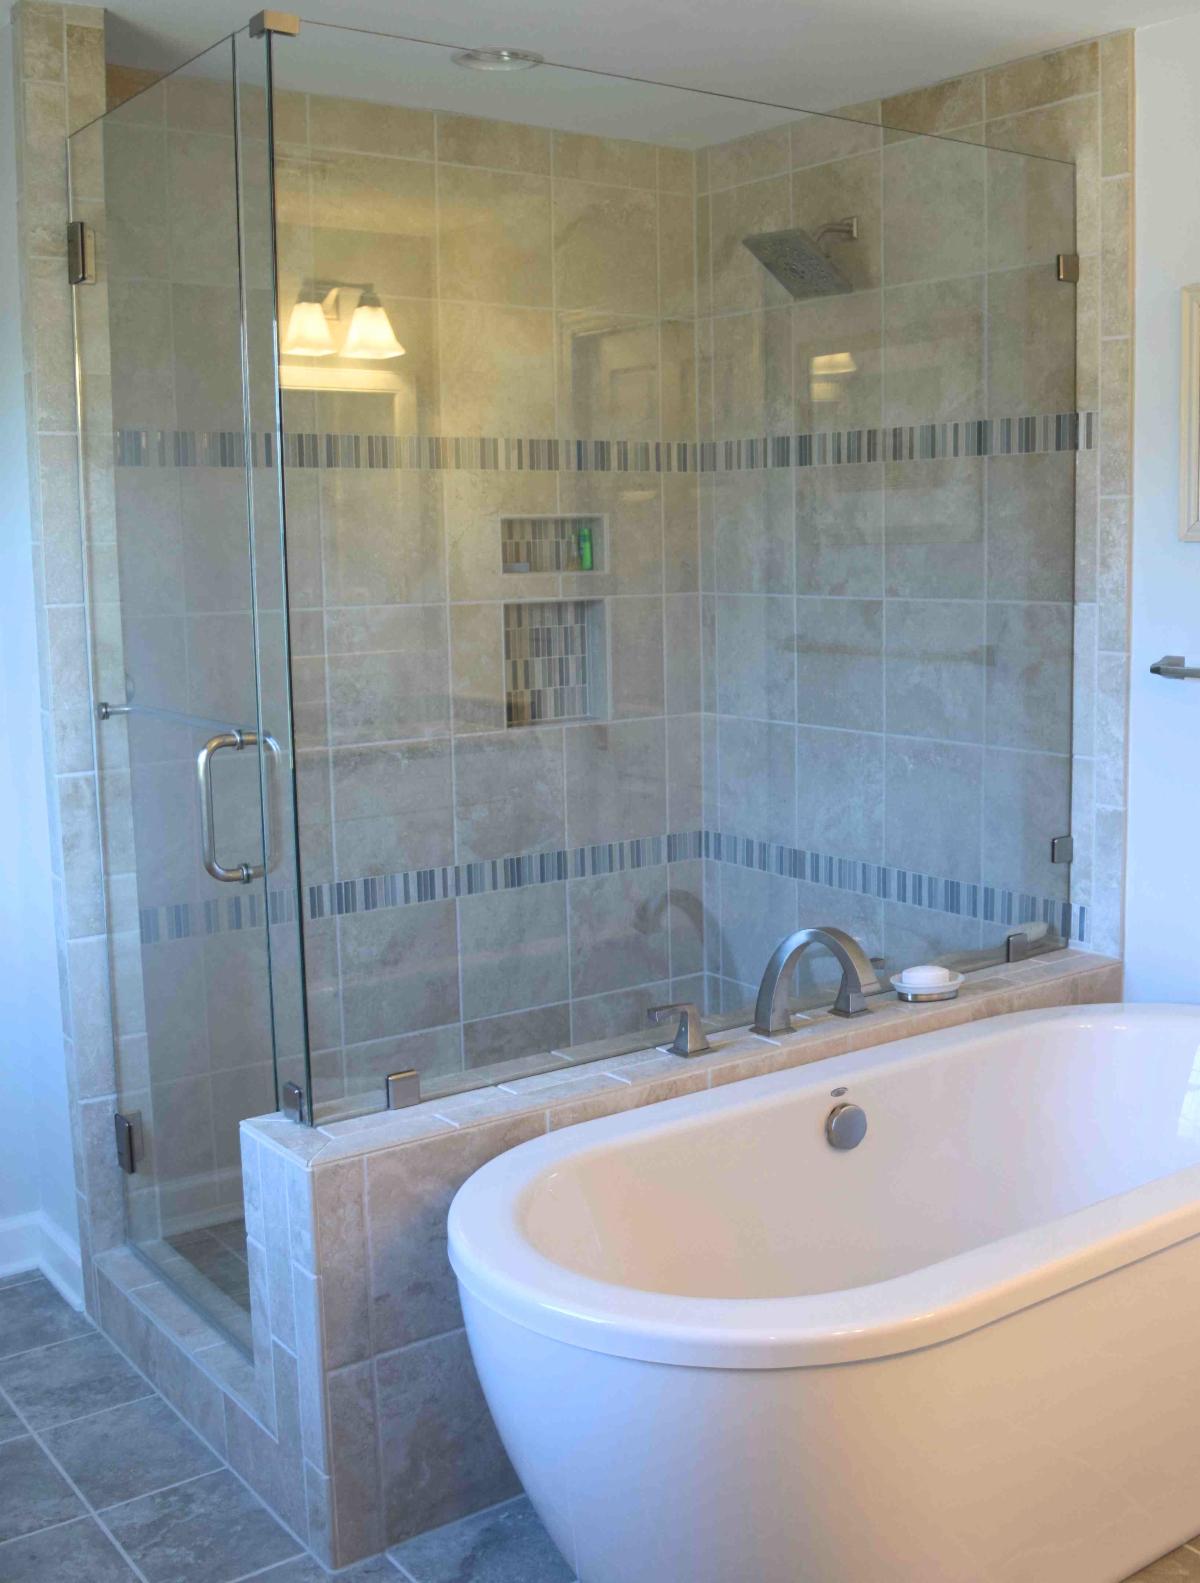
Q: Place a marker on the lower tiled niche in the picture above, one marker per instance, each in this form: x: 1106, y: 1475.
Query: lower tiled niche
x: 554, y: 661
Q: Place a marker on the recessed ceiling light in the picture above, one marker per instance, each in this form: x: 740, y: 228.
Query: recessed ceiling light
x: 498, y: 59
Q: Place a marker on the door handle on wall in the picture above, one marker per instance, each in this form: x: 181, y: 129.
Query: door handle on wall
x: 1176, y: 669
x: 236, y: 740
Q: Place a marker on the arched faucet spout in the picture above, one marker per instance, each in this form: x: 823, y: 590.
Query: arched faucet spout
x: 858, y: 977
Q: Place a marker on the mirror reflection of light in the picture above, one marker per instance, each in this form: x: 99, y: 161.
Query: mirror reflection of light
x: 826, y: 373
x: 308, y: 333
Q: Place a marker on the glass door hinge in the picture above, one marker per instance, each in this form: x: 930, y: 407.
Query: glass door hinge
x: 292, y: 1102
x: 1068, y: 268
x: 81, y: 254
x: 128, y: 1131
x: 1062, y: 849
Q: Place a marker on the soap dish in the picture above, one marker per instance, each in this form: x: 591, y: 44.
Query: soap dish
x: 947, y: 991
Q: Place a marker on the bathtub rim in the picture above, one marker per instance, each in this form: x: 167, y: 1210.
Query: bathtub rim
x: 496, y: 1264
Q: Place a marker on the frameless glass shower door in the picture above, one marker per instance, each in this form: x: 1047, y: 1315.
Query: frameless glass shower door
x: 195, y: 755
x: 680, y: 534
x: 551, y: 536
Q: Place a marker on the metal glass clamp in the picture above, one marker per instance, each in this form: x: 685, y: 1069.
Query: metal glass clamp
x: 243, y: 873
x: 402, y: 1089
x: 1176, y: 669
x: 263, y: 23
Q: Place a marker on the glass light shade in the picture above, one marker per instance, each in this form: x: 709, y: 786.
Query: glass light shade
x: 307, y: 332
x: 370, y: 334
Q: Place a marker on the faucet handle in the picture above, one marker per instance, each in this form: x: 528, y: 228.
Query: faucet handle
x: 689, y: 1038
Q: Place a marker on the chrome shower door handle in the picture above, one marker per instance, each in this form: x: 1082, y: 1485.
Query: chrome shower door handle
x: 244, y: 873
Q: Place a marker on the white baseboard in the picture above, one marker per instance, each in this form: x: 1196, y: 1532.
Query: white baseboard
x: 34, y: 1242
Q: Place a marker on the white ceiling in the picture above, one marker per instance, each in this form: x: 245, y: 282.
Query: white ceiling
x: 810, y: 54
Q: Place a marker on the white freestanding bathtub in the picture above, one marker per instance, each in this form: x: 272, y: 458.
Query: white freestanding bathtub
x: 967, y: 1351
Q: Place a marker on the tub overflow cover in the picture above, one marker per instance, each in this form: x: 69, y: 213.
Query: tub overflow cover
x: 846, y: 1126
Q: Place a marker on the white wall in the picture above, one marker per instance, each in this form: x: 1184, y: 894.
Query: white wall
x: 1163, y: 890
x: 38, y: 1219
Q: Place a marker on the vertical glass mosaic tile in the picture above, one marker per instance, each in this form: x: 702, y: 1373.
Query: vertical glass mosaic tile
x: 547, y: 675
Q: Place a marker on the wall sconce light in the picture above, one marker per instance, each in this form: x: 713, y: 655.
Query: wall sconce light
x: 307, y: 333
x: 369, y: 335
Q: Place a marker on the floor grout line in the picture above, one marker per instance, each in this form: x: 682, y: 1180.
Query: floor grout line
x: 97, y: 1412
x: 96, y: 1514
x: 88, y: 1508
x: 161, y: 1489
x: 275, y: 1566
x: 8, y: 1284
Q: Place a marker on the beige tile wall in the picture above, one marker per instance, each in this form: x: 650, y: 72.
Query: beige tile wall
x: 878, y: 684
x: 1077, y: 104
x: 542, y: 284
x: 877, y: 642
x: 59, y: 70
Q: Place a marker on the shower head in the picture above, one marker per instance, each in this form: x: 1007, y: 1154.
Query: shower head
x: 798, y: 261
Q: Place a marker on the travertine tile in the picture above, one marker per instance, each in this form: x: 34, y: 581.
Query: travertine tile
x: 1116, y: 417
x: 676, y: 170
x: 354, y: 1457
x: 494, y: 237
x: 605, y: 247
x: 1116, y: 104
x: 500, y: 145
x: 369, y: 128
x: 614, y: 160
x: 1116, y: 256
x: 435, y: 1381
x: 1043, y: 79
x: 408, y: 1193
x: 854, y: 129
x: 955, y: 103
x: 766, y: 153
x: 1068, y: 131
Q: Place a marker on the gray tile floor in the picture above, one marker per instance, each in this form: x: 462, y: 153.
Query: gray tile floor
x: 102, y: 1482
x: 219, y: 1254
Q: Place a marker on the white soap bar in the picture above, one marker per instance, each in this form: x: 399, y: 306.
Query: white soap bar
x: 928, y: 977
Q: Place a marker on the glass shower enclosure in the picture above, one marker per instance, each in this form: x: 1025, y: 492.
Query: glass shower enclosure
x: 551, y: 535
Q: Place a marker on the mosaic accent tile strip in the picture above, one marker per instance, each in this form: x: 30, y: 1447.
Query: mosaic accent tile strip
x: 332, y: 898
x: 546, y: 674
x: 1028, y: 434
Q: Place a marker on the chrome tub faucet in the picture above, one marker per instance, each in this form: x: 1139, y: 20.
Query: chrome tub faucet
x: 771, y: 1013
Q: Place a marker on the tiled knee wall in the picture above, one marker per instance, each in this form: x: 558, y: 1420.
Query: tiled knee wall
x: 360, y: 1327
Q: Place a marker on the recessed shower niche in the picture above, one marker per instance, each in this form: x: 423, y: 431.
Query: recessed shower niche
x: 554, y: 661
x: 551, y: 544
x: 554, y: 649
